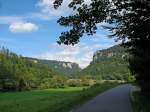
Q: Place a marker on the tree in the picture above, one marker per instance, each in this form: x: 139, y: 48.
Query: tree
x: 129, y: 21
x: 19, y: 73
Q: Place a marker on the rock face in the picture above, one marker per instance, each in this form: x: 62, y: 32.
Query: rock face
x: 115, y: 52
x: 65, y: 68
x: 68, y: 65
x: 108, y: 64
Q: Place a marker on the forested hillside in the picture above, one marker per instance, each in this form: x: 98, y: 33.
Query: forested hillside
x: 18, y: 73
x: 108, y: 64
x: 64, y: 68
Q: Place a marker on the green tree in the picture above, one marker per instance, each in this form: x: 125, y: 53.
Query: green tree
x: 18, y: 73
x: 130, y: 21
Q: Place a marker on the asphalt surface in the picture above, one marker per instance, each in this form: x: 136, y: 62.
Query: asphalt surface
x: 113, y: 100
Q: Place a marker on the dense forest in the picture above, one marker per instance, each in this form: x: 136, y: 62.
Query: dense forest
x: 109, y: 64
x: 18, y: 73
x: 64, y: 68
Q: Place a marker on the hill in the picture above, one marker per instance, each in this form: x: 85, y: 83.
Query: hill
x: 19, y: 73
x: 61, y: 67
x: 108, y: 64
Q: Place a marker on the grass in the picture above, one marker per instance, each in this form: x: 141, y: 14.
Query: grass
x: 141, y: 103
x: 50, y: 100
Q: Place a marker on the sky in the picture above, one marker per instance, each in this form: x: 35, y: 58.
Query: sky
x: 29, y: 28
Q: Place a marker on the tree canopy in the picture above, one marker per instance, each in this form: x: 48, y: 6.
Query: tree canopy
x: 130, y: 21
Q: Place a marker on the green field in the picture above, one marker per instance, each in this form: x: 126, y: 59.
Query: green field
x: 50, y: 100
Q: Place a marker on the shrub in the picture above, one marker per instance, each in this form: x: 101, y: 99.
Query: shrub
x: 74, y: 82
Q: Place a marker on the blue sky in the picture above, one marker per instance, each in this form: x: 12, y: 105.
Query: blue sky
x: 29, y: 28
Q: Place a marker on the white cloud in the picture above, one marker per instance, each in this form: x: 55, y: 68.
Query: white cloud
x: 81, y: 53
x: 47, y: 11
x: 10, y: 19
x: 39, y: 15
x: 23, y: 27
x: 18, y: 23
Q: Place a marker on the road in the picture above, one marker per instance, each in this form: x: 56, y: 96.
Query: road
x: 113, y: 100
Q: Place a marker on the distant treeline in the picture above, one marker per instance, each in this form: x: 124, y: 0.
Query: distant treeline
x: 109, y: 64
x: 64, y: 68
x: 18, y: 73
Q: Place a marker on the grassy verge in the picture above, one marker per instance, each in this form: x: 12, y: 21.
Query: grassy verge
x: 50, y: 100
x: 140, y: 103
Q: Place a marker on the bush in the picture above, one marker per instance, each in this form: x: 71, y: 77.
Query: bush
x: 88, y: 82
x: 74, y: 82
x: 55, y: 82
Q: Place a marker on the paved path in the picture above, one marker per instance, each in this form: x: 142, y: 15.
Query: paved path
x: 114, y: 100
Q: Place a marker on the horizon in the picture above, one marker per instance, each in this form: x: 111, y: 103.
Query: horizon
x: 30, y: 31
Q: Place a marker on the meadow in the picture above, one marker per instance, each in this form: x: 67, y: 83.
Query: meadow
x: 50, y: 100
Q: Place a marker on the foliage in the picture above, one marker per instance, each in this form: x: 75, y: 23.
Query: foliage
x: 133, y: 24
x: 109, y: 64
x: 83, y: 20
x: 50, y: 100
x: 18, y: 73
x: 140, y: 102
x: 65, y: 68
x: 130, y: 21
x: 74, y: 82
